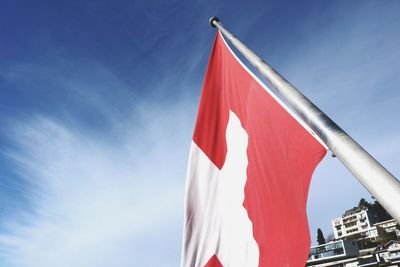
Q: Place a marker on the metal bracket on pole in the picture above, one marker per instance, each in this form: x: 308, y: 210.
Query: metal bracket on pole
x: 371, y: 174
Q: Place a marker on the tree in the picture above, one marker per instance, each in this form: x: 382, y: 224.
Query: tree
x: 363, y: 203
x: 320, y: 237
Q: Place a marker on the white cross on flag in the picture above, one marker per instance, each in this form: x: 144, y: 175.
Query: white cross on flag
x: 250, y: 167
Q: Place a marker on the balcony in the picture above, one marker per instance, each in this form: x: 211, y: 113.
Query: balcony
x: 350, y: 219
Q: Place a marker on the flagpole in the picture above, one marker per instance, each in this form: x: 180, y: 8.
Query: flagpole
x: 370, y: 173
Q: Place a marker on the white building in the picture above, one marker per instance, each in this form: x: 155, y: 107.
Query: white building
x: 353, y: 221
x: 367, y: 223
x: 383, y: 255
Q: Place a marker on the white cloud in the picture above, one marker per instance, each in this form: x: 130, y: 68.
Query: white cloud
x: 96, y: 201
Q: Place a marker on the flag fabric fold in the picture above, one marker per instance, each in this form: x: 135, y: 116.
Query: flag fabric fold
x: 250, y: 166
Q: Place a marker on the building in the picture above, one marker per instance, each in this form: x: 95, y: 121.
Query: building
x: 365, y: 236
x: 383, y: 255
x: 345, y: 253
x: 332, y: 253
x: 369, y: 225
x: 390, y: 227
x: 351, y: 222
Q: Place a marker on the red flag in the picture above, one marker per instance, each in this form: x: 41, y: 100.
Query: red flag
x: 250, y: 166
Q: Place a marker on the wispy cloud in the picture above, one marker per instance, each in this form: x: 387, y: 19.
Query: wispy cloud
x: 99, y: 199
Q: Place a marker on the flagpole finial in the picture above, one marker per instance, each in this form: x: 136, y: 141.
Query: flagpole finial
x: 213, y: 20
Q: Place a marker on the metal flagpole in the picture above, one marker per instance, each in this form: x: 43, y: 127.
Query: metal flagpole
x: 371, y: 174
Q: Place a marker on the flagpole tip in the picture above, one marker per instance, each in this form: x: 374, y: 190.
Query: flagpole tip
x: 213, y: 20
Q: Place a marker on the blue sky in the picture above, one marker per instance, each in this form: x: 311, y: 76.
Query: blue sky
x: 98, y: 101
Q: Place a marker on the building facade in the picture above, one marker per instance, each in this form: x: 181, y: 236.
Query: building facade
x: 364, y: 236
x: 332, y: 252
x: 352, y: 222
x: 368, y: 225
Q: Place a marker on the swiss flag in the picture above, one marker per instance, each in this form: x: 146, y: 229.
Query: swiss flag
x: 250, y: 166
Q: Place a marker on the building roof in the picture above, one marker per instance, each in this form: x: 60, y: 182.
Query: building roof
x: 385, y: 246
